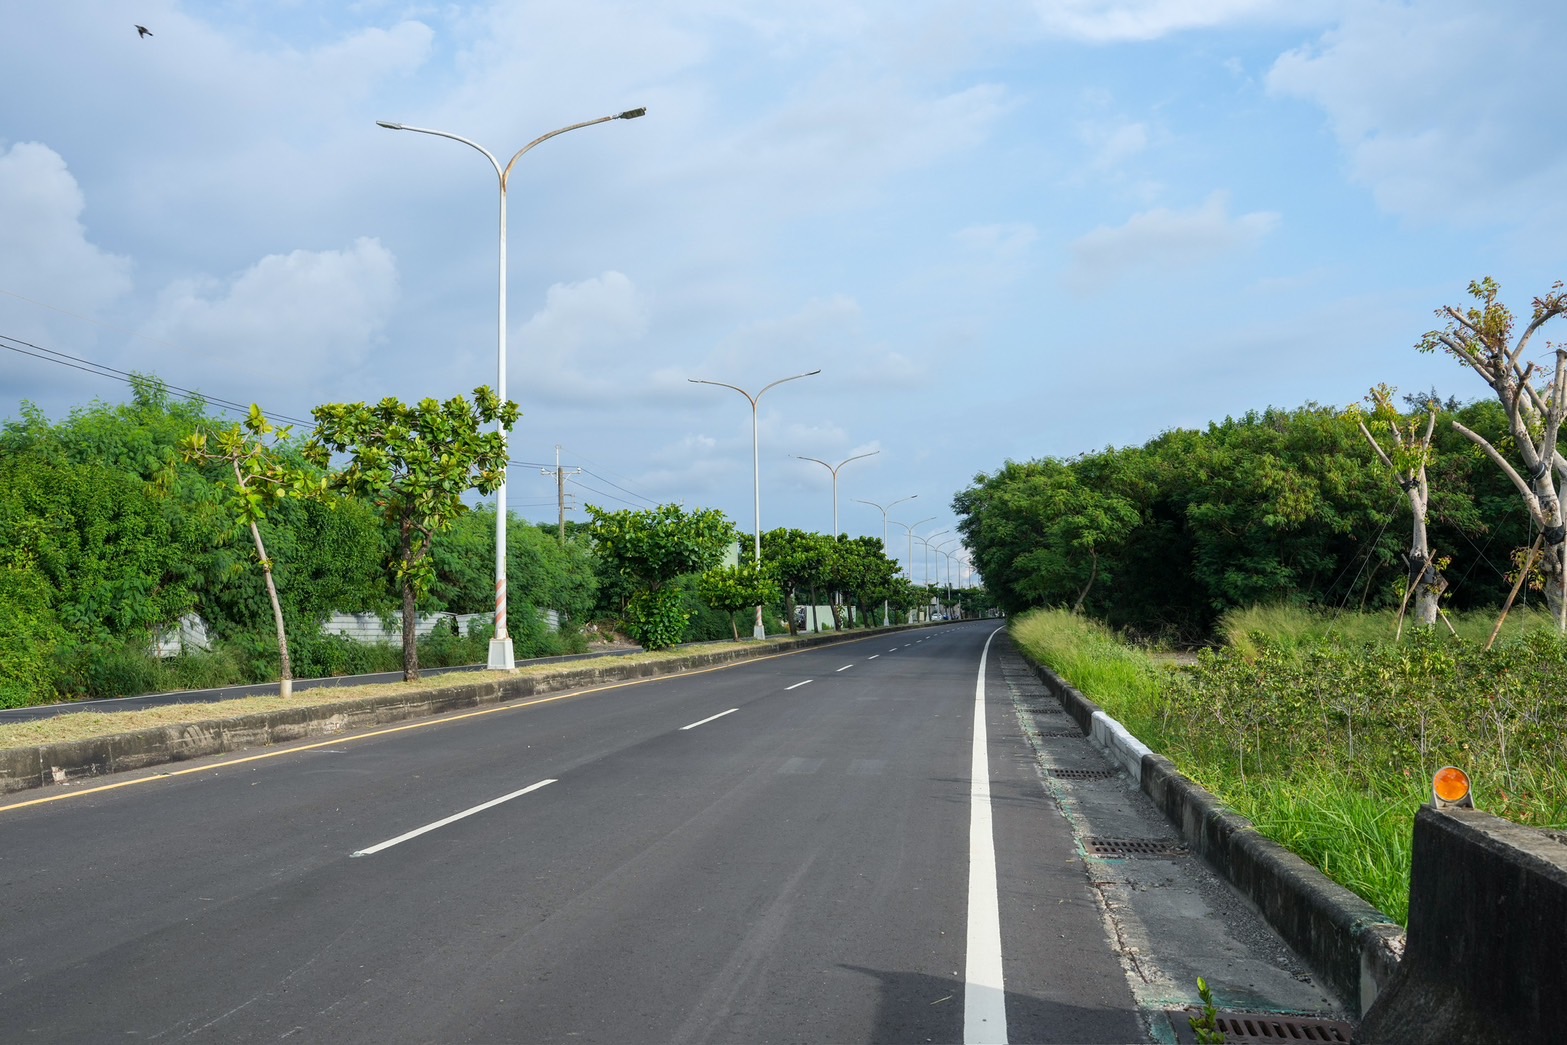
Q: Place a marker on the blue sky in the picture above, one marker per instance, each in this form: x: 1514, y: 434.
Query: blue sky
x: 1005, y: 230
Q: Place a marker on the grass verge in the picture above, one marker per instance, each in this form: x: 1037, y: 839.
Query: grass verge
x: 1326, y: 739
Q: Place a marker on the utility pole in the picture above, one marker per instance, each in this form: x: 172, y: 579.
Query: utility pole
x: 560, y: 488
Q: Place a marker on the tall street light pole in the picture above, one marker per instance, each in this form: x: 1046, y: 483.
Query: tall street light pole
x: 758, y: 632
x: 910, y: 527
x: 501, y: 657
x: 885, y: 619
x: 925, y: 562
x: 834, y: 470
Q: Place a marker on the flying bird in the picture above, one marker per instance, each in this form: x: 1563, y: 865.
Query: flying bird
x: 142, y: 30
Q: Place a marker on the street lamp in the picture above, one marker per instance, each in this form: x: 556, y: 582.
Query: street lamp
x: 834, y: 470
x: 500, y: 643
x: 910, y: 529
x: 885, y: 620
x: 759, y: 632
x: 925, y: 563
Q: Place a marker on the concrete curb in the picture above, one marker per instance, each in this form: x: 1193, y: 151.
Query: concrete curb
x: 1350, y: 943
x: 46, y: 765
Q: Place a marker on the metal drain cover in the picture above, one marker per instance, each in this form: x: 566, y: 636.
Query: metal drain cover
x: 1127, y: 848
x: 1075, y: 734
x: 1082, y: 774
x: 1249, y: 1028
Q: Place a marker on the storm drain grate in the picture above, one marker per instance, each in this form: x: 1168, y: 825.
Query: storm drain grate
x: 1246, y: 1028
x: 1126, y: 848
x: 1083, y: 774
x: 1075, y: 734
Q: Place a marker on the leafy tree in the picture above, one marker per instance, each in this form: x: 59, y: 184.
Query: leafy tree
x: 797, y: 560
x: 415, y: 464
x: 260, y: 481
x: 730, y: 589
x: 644, y: 551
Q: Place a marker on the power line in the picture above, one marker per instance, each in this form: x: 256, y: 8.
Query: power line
x: 87, y: 366
x: 602, y: 479
x: 603, y: 493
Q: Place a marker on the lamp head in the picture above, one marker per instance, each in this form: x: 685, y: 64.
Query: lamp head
x: 389, y: 126
x: 632, y: 114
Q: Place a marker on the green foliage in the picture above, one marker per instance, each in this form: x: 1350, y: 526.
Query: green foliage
x: 1328, y: 745
x: 1206, y: 1023
x: 30, y: 636
x: 730, y: 589
x: 415, y: 464
x: 541, y: 571
x: 1273, y: 507
x: 641, y: 554
x: 656, y: 620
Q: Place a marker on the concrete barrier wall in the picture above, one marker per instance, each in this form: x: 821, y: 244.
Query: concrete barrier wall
x: 1487, y: 917
x: 1346, y: 940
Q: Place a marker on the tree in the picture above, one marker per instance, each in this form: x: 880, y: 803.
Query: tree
x: 730, y: 589
x: 644, y: 551
x: 261, y: 480
x: 415, y: 464
x: 1536, y: 405
x: 1407, y: 457
x: 797, y: 559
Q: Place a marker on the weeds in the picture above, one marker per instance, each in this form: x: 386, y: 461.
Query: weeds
x: 1327, y: 738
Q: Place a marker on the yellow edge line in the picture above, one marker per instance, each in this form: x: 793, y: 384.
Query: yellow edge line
x: 350, y: 738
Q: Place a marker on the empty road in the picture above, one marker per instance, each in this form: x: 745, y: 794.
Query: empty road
x: 844, y: 844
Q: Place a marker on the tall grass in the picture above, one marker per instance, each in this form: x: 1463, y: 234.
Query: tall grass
x: 1325, y: 732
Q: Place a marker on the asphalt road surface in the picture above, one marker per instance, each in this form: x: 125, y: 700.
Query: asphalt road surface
x: 793, y: 849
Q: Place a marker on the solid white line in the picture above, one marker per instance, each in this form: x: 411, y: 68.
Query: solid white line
x: 797, y: 685
x: 451, y: 819
x: 984, y: 993
x: 846, y: 667
x: 710, y: 718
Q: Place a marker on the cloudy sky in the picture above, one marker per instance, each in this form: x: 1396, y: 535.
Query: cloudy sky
x: 1004, y: 229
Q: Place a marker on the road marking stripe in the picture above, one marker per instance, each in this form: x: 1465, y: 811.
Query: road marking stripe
x: 984, y: 993
x: 873, y: 656
x: 427, y: 828
x: 422, y: 723
x: 709, y: 718
x: 797, y: 685
x: 846, y: 667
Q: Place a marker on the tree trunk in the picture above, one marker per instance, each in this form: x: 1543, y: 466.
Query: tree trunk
x: 789, y: 608
x: 286, y: 675
x: 410, y: 635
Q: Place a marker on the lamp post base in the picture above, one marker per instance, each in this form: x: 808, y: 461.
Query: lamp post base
x: 759, y: 632
x: 501, y: 658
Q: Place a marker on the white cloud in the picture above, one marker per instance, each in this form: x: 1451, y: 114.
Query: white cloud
x: 1165, y: 240
x: 1112, y: 21
x: 291, y: 322
x: 581, y: 345
x: 44, y: 249
x: 1444, y: 108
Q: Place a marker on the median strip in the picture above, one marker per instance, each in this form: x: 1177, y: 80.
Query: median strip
x: 427, y: 828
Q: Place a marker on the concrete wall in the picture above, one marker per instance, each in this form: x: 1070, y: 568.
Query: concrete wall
x: 191, y: 634
x: 1487, y: 920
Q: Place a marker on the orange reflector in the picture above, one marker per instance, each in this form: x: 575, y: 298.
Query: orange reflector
x: 1450, y: 784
